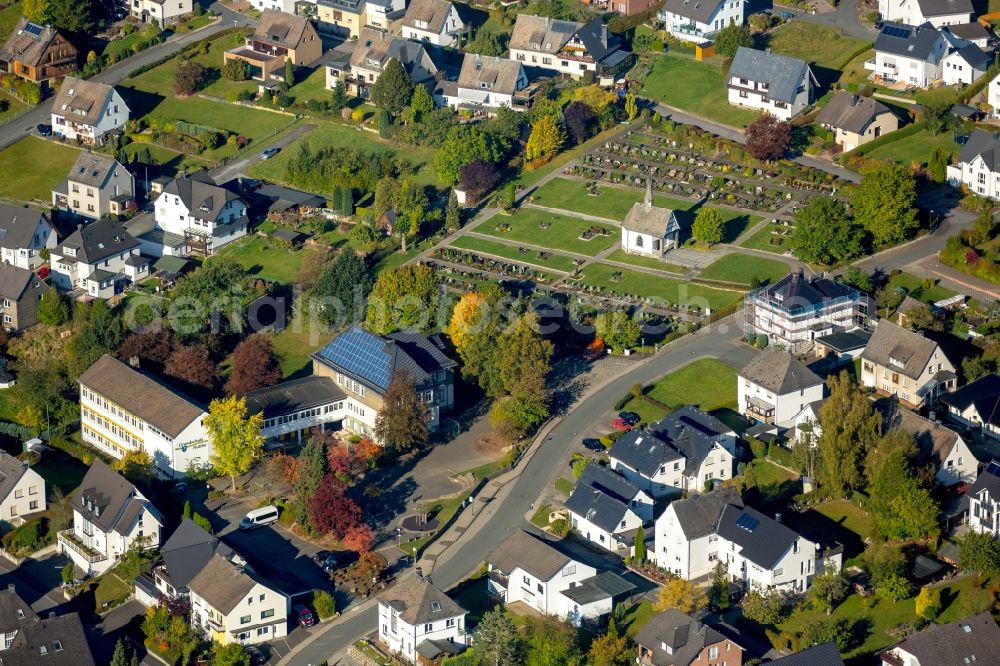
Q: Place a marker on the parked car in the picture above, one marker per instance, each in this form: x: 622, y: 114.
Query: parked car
x: 303, y: 615
x: 339, y: 560
x: 43, y: 129
x: 269, y: 153
x: 621, y: 424
x: 630, y: 418
x: 257, y: 657
x: 321, y: 557
x: 593, y: 444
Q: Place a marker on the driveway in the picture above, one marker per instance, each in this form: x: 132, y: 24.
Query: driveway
x: 844, y: 16
x: 238, y: 167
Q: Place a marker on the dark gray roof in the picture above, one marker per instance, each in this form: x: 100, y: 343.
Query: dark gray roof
x: 14, y: 281
x: 779, y: 372
x: 17, y: 225
x: 278, y: 193
x: 763, y: 540
x: 645, y: 218
x: 105, y: 495
x: 851, y: 112
x: 685, y: 636
x: 602, y: 497
x: 11, y: 471
x: 982, y: 143
x: 188, y: 550
x: 845, y: 341
x: 969, y: 31
x: 354, y: 6
x: 374, y: 49
x: 972, y: 640
x: 99, y: 240
x: 417, y: 601
x: 691, y: 432
x: 699, y: 515
x: 200, y: 195
x: 596, y: 39
x: 783, y: 74
x: 989, y: 481
x: 293, y: 396
x: 643, y: 451
x: 54, y: 641
x: 94, y: 169
x: 908, y: 41
x: 535, y: 555
x: 14, y: 611
x: 893, y: 346
x: 976, y: 57
x: 795, y: 291
x: 983, y: 394
x: 699, y: 11
x: 605, y: 585
x: 824, y: 654
x: 930, y: 8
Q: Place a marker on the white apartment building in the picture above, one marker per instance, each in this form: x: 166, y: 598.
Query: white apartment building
x: 110, y: 515
x: 938, y: 13
x: 195, y: 216
x: 24, y: 233
x: 414, y: 617
x: 97, y: 259
x: 909, y: 54
x: 97, y: 185
x: 22, y: 491
x: 607, y: 509
x: 696, y: 21
x: 966, y: 65
x: 906, y: 364
x: 978, y: 165
x: 568, y: 47
x: 976, y: 405
x: 775, y: 386
x: 123, y: 409
x: 768, y: 82
x: 984, y: 501
x: 433, y: 21
x: 87, y: 111
x: 232, y: 605
x: 160, y: 12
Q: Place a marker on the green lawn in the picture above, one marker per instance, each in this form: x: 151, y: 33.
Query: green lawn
x: 309, y: 87
x: 443, y: 510
x: 40, y: 165
x: 768, y: 241
x: 773, y: 481
x: 62, y: 471
x: 110, y: 590
x: 541, y: 516
x: 667, y: 289
x: 275, y: 169
x: 647, y: 262
x: 914, y: 287
x: 564, y: 486
x: 743, y: 268
x: 9, y: 18
x: 555, y: 262
x: 823, y: 45
x: 637, y: 616
x: 265, y: 258
x: 296, y: 342
x: 122, y: 48
x: 842, y: 520
x: 915, y: 149
x: 14, y: 107
x: 708, y: 384
x: 544, y: 229
x: 697, y: 87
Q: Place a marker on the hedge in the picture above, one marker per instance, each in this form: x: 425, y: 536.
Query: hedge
x: 909, y: 130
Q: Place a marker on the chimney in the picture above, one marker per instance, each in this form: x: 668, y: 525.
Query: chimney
x: 777, y: 517
x: 855, y: 99
x: 79, y: 227
x: 10, y: 587
x: 695, y: 626
x: 133, y: 361
x: 419, y: 571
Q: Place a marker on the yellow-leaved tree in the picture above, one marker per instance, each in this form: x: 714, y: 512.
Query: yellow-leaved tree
x: 681, y: 594
x: 235, y: 437
x: 547, y: 137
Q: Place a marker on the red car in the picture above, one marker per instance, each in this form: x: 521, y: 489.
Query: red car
x: 621, y: 424
x: 304, y: 616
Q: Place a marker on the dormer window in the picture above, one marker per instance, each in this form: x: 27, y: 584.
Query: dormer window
x: 896, y: 362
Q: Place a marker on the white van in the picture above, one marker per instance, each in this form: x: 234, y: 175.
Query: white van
x: 263, y: 516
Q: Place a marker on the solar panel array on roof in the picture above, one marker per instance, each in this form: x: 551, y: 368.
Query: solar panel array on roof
x: 993, y: 468
x: 33, y: 28
x: 896, y: 31
x: 360, y: 353
x: 747, y: 522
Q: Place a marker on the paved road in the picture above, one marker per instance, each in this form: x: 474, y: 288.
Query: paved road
x: 16, y: 129
x: 227, y: 172
x: 506, y: 513
x: 844, y: 16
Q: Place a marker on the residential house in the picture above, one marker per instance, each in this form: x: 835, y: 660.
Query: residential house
x: 530, y: 570
x: 486, y: 84
x: 973, y: 640
x: 806, y: 428
x: 161, y: 12
x: 434, y: 21
x: 364, y: 364
x: 233, y: 605
x: 984, y: 501
x: 649, y: 230
x: 194, y: 216
x: 568, y: 47
x: 345, y: 17
x: 693, y: 535
x: 683, y: 452
x: 37, y: 53
x: 123, y: 409
x: 824, y: 654
x: 775, y: 386
x: 978, y: 165
x: 965, y: 65
x: 976, y: 405
x: 970, y: 33
x: 673, y: 638
x: 765, y: 81
x: 286, y: 6
x: 906, y: 364
x: 419, y: 622
x: 22, y: 491
x: 623, y: 7
x: 279, y: 37
x: 939, y: 13
x: 607, y: 509
x: 20, y: 292
x: 796, y: 310
x: 24, y: 233
x: 698, y: 21
x: 908, y: 54
x: 379, y: 13
x: 55, y: 640
x: 110, y: 516
x: 97, y: 185
x: 95, y: 259
x: 940, y: 447
x: 855, y: 120
x: 87, y: 111
x: 371, y: 54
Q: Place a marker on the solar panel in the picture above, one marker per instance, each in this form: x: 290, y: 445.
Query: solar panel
x: 747, y: 522
x: 993, y: 468
x: 896, y: 31
x: 33, y: 28
x: 361, y: 354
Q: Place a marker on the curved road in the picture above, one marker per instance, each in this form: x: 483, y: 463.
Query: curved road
x: 506, y: 512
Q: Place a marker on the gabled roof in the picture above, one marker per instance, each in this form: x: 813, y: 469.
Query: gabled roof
x: 699, y: 516
x: 763, y: 540
x: 17, y: 225
x: 14, y: 611
x: 643, y: 451
x: 779, y: 372
x: 104, y: 497
x: 795, y: 291
x: 691, y: 432
x: 142, y: 395
x: 200, y: 195
x: 974, y: 56
x: 94, y: 169
x: 374, y: 49
x: 15, y: 281
x: 988, y: 480
x: 968, y: 641
x: 892, y: 346
x: 82, y: 101
x: 985, y: 144
x: 783, y: 74
x: 11, y: 471
x: 188, y: 550
x: 431, y: 15
x: 223, y: 584
x: 935, y: 441
x: 982, y: 394
x: 969, y: 31
x: 481, y: 72
x: 645, y: 218
x: 417, y: 601
x: 28, y: 43
x: 375, y: 360
x: 851, y: 112
x: 929, y: 8
x: 541, y: 33
x: 824, y: 654
x: 681, y: 633
x: 97, y: 241
x: 699, y: 11
x: 283, y: 29
x: 526, y: 551
x: 602, y: 497
x: 908, y: 41
x: 54, y: 641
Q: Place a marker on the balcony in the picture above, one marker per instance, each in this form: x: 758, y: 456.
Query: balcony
x: 884, y: 69
x: 687, y: 30
x: 71, y: 541
x: 759, y: 410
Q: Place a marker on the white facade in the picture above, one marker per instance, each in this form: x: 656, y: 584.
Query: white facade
x: 955, y: 70
x: 263, y: 611
x: 26, y: 497
x: 750, y: 94
x: 984, y: 511
x: 287, y: 6
x: 562, y: 62
x: 112, y: 117
x: 673, y: 551
x: 107, y: 547
x: 69, y: 273
x: 650, y: 245
x: 993, y: 96
x: 909, y: 12
x: 29, y: 257
x: 793, y: 572
x: 785, y: 406
x: 959, y: 466
x: 977, y: 175
x: 689, y: 29
x: 545, y: 596
x: 161, y: 12
x: 913, y: 71
x: 607, y: 539
x: 173, y: 216
x: 377, y: 14
x: 419, y: 31
x: 403, y: 638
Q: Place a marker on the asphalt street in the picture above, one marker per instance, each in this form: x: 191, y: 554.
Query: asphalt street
x: 507, y: 511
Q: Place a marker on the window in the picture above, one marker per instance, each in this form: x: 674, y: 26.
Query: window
x: 18, y: 494
x: 428, y: 628
x: 32, y: 490
x: 638, y: 240
x: 449, y: 623
x: 263, y: 631
x: 33, y: 505
x: 245, y: 619
x: 713, y: 653
x: 13, y: 510
x: 266, y: 614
